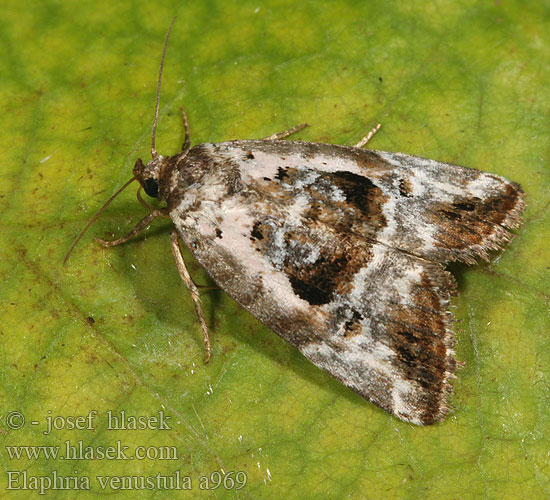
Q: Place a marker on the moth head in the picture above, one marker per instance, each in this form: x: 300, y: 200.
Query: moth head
x: 148, y: 175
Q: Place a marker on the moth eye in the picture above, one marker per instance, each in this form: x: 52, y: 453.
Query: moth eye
x: 151, y: 187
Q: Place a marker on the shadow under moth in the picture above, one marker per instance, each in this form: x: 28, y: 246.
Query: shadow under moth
x: 339, y: 250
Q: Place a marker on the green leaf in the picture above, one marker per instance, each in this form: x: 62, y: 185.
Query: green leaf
x: 115, y: 330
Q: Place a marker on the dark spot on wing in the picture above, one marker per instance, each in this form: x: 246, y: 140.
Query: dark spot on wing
x: 281, y: 173
x: 309, y: 291
x: 450, y: 215
x: 359, y: 190
x: 332, y: 272
x: 353, y: 326
x: 256, y: 232
x: 467, y: 206
x: 363, y: 195
x: 418, y: 362
x: 218, y: 232
x: 317, y: 283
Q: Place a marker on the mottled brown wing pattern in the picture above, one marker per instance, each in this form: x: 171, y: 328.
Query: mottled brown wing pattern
x: 374, y: 317
x: 340, y: 251
x: 435, y: 210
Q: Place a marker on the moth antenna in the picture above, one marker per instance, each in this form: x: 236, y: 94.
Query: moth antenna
x: 154, y: 153
x: 94, y: 218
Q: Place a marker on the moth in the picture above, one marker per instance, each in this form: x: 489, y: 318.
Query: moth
x: 339, y: 250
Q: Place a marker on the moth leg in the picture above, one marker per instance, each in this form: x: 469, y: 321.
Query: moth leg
x: 368, y: 137
x: 186, y: 278
x: 140, y: 226
x: 187, y: 141
x: 286, y: 133
x: 205, y: 287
